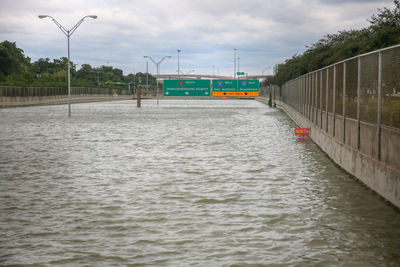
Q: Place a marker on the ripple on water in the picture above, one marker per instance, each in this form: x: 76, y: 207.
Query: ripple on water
x: 209, y: 183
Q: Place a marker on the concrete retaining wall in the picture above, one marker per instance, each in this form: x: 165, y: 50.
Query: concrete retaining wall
x: 19, y: 101
x: 382, y: 176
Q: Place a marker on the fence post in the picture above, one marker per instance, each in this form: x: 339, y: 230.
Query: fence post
x: 379, y: 105
x: 274, y: 89
x: 311, y: 97
x: 299, y: 94
x: 305, y: 96
x: 303, y: 91
x: 307, y: 89
x: 138, y: 96
x: 314, y: 97
x: 327, y: 99
x: 334, y: 101
x: 320, y: 97
x: 358, y: 102
x: 270, y: 95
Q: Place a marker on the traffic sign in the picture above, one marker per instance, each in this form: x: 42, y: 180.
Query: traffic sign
x: 239, y: 88
x: 236, y: 94
x: 248, y: 85
x: 240, y: 73
x: 302, y: 131
x: 187, y: 88
x: 224, y: 85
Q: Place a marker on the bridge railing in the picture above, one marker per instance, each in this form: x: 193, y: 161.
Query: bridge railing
x: 356, y: 101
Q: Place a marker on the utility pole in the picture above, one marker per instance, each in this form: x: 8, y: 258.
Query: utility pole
x: 158, y: 69
x: 68, y: 33
x: 178, y: 60
x: 234, y: 63
x: 147, y: 76
x: 134, y: 80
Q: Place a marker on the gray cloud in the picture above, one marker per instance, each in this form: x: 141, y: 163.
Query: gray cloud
x: 264, y: 32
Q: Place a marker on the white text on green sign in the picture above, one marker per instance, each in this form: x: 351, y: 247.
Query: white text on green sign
x: 235, y: 85
x: 187, y: 88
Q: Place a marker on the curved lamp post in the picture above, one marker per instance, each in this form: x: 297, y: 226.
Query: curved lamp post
x: 265, y: 70
x: 68, y: 33
x: 187, y: 72
x: 158, y: 69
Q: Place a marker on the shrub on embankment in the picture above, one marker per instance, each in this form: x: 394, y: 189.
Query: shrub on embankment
x: 384, y: 31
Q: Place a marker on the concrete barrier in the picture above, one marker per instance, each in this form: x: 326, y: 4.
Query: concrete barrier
x: 382, y: 176
x: 9, y: 102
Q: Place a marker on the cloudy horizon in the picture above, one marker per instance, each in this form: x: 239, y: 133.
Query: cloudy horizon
x: 264, y: 33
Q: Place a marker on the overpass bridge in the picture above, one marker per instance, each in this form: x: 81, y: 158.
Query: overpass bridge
x: 208, y: 76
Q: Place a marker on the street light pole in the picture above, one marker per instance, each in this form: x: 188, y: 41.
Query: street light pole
x: 265, y: 70
x: 134, y: 82
x: 68, y: 33
x: 178, y: 60
x: 158, y: 70
x: 147, y: 76
x: 234, y: 63
x: 69, y: 78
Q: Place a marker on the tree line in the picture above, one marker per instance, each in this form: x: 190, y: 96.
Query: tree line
x: 383, y: 31
x: 16, y: 69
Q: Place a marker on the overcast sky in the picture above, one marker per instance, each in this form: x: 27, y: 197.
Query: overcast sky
x: 265, y: 32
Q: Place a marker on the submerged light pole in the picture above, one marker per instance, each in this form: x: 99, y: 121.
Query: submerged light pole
x: 234, y: 63
x: 158, y: 69
x: 68, y: 33
x: 147, y: 76
x: 178, y: 60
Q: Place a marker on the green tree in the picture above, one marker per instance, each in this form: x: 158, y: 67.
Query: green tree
x: 85, y: 72
x: 386, y: 26
x: 12, y: 59
x: 384, y: 31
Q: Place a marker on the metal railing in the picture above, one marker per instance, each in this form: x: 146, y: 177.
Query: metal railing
x: 13, y: 91
x: 357, y: 101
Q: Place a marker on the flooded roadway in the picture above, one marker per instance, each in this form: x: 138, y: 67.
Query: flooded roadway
x: 203, y: 183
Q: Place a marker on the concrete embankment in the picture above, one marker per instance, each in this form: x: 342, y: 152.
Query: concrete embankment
x: 16, y: 101
x: 379, y: 176
x: 9, y: 102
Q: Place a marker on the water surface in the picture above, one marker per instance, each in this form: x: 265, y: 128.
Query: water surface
x: 203, y: 183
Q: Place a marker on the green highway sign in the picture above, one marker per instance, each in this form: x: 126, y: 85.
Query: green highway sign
x: 240, y: 73
x: 220, y: 87
x: 224, y: 85
x: 187, y: 88
x: 235, y: 85
x: 248, y: 85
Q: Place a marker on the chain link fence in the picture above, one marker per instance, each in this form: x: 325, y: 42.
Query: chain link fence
x: 356, y: 101
x: 11, y: 91
x: 11, y: 96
